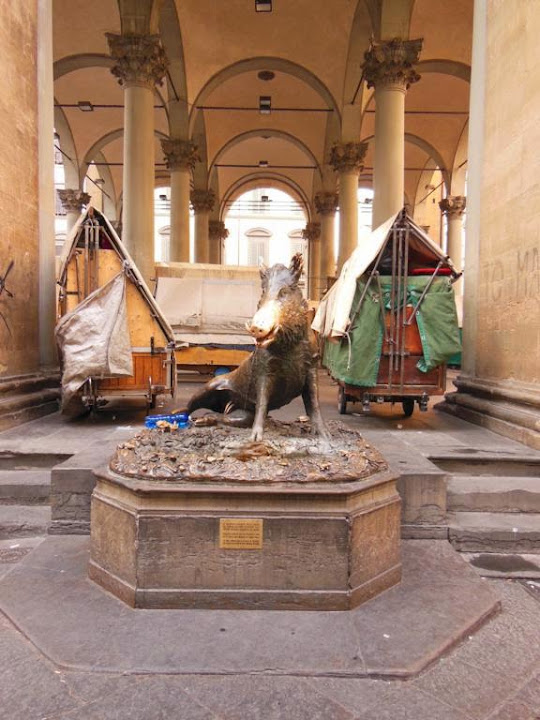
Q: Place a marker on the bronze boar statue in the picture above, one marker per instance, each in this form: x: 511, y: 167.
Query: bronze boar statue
x: 282, y: 366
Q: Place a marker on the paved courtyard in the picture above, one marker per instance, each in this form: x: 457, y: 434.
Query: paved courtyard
x: 68, y: 650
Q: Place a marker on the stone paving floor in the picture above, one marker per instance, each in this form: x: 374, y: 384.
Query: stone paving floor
x: 493, y: 675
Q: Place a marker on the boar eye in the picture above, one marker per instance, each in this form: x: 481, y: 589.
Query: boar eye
x: 283, y: 292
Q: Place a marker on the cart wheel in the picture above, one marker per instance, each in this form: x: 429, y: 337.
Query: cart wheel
x: 342, y: 401
x: 408, y: 406
x: 150, y: 397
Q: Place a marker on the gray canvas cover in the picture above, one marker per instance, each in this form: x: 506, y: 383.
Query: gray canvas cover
x: 93, y: 341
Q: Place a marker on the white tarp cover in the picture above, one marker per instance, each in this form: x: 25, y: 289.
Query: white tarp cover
x: 207, y: 305
x: 94, y: 340
x: 332, y: 316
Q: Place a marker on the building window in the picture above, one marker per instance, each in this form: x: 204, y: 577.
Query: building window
x: 258, y: 246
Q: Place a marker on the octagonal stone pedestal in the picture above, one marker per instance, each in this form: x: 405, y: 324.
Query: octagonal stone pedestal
x: 159, y: 544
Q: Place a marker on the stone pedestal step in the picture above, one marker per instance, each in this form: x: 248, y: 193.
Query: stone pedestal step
x: 494, y: 532
x: 27, y: 397
x: 24, y: 520
x: 28, y: 487
x: 493, y: 494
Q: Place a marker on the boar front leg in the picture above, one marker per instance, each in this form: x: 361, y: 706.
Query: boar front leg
x: 261, y: 408
x: 310, y: 396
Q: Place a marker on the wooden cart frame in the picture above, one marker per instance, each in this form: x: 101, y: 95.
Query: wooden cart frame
x: 399, y: 379
x: 92, y: 256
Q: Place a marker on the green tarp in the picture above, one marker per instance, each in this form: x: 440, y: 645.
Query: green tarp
x: 355, y: 359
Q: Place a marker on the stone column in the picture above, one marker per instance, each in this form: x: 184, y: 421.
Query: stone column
x: 217, y: 232
x: 326, y: 204
x: 181, y: 156
x: 73, y: 202
x: 347, y: 159
x: 388, y: 67
x: 202, y: 202
x: 312, y: 233
x: 140, y: 64
x: 453, y: 207
x: 46, y: 199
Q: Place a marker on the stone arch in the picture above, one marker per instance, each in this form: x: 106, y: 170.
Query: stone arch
x: 263, y: 63
x: 428, y: 149
x: 433, y: 153
x: 70, y: 63
x: 110, y: 207
x: 139, y: 18
x: 237, y: 139
x: 101, y: 143
x: 442, y: 67
x: 171, y: 37
x: 459, y: 166
x: 275, y: 180
x: 67, y: 145
x: 446, y: 67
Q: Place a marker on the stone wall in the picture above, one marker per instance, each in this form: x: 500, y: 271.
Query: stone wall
x: 508, y: 300
x: 499, y: 386
x: 19, y: 346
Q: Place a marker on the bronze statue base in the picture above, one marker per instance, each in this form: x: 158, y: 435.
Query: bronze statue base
x: 280, y: 525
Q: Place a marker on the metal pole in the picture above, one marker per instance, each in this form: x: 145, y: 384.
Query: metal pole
x: 392, y: 310
x: 404, y: 312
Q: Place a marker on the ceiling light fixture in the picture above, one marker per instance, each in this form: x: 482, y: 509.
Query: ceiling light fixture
x: 263, y: 5
x: 85, y: 106
x: 263, y: 163
x: 266, y: 75
x: 265, y: 104
x: 265, y: 198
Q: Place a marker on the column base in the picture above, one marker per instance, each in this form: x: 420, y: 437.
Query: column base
x: 508, y: 408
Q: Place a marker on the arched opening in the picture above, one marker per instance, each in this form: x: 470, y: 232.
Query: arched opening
x: 162, y: 224
x: 265, y: 225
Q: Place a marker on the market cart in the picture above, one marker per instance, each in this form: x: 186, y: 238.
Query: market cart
x: 389, y: 324
x: 208, y: 307
x: 113, y: 339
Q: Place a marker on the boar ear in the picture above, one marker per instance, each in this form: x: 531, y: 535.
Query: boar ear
x: 296, y: 266
x: 263, y: 272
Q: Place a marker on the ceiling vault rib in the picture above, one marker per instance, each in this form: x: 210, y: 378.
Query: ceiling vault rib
x: 256, y: 109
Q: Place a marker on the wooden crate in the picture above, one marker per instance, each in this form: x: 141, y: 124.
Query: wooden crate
x: 148, y: 369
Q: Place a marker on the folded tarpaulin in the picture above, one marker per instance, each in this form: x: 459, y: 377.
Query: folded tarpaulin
x: 355, y: 359
x: 93, y: 340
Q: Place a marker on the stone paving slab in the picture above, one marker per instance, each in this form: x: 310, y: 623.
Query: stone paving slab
x: 440, y: 601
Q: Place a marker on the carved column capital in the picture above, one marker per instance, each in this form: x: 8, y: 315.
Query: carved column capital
x: 312, y: 231
x: 348, y: 157
x: 453, y: 205
x: 73, y: 201
x: 217, y: 230
x: 179, y: 153
x: 391, y: 63
x: 326, y: 202
x: 202, y: 200
x: 140, y: 59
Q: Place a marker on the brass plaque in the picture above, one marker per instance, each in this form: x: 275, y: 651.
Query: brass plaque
x: 240, y: 534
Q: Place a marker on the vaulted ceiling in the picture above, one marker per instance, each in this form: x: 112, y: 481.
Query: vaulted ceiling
x: 217, y: 50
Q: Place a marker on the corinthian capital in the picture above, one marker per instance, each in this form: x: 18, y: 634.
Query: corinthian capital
x: 217, y: 230
x: 202, y: 200
x: 73, y: 201
x: 391, y: 63
x: 348, y: 156
x: 312, y: 231
x: 326, y: 203
x: 453, y: 205
x: 140, y: 59
x: 179, y: 153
